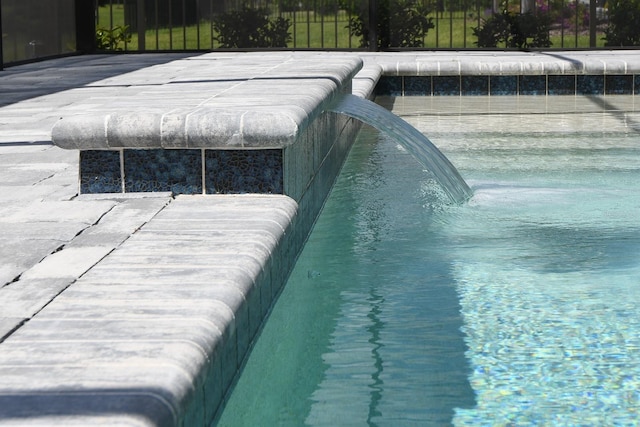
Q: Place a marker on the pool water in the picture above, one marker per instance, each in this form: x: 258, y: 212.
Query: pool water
x: 521, y: 307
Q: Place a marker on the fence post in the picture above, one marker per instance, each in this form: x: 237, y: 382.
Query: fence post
x: 1, y: 40
x: 373, y: 25
x: 141, y: 23
x: 592, y: 23
x: 86, y: 25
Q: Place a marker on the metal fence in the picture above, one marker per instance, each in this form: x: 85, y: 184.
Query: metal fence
x: 32, y: 29
x: 156, y: 25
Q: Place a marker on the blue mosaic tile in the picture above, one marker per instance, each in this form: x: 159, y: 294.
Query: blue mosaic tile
x: 475, y: 85
x: 446, y: 85
x: 532, y: 85
x: 618, y: 85
x: 243, y: 171
x: 503, y: 85
x: 561, y: 84
x: 178, y: 171
x: 417, y: 86
x: 389, y: 86
x: 590, y: 85
x: 100, y: 172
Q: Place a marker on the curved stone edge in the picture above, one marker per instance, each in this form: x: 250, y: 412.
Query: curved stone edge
x: 262, y: 111
x: 439, y: 63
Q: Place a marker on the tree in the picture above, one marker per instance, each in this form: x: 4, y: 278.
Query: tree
x: 250, y: 28
x: 398, y: 23
x: 624, y: 23
x: 515, y: 30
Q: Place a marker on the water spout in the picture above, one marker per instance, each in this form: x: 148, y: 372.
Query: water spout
x: 411, y: 139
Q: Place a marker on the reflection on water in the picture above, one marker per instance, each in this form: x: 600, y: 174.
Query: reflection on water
x: 519, y: 308
x: 367, y: 330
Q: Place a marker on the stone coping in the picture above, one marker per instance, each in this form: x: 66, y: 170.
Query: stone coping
x: 446, y: 63
x: 264, y: 99
x: 209, y: 101
x: 231, y: 100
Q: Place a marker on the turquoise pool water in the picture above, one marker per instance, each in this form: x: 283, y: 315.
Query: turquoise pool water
x: 521, y: 307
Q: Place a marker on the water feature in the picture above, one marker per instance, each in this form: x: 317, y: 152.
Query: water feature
x: 520, y: 307
x: 414, y: 141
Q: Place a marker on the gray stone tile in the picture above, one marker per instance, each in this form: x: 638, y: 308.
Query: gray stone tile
x: 26, y: 297
x: 8, y: 325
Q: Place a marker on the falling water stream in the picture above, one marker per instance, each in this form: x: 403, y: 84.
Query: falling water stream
x: 411, y: 139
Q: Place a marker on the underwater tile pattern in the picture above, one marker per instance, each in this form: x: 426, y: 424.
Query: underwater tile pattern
x: 100, y: 171
x: 178, y: 171
x: 243, y: 171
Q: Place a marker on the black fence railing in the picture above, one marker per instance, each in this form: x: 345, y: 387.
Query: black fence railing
x: 155, y: 25
x: 1, y: 41
x: 32, y: 29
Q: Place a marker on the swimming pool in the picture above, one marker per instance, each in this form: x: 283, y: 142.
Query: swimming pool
x: 519, y: 308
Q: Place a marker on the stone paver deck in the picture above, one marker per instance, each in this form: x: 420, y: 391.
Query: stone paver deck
x: 112, y: 307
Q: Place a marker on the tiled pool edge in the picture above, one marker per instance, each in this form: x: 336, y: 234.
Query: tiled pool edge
x: 497, y: 85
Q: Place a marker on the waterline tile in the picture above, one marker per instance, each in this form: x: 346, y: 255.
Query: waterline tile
x: 178, y: 171
x: 100, y: 171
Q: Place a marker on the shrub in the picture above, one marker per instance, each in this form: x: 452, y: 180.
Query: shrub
x: 515, y: 30
x: 250, y: 28
x: 112, y: 39
x: 399, y: 23
x: 624, y: 23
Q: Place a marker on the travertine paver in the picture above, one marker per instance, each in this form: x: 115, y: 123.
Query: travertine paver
x: 40, y: 217
x: 146, y: 321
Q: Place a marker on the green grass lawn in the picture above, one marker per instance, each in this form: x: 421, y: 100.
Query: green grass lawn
x: 311, y: 31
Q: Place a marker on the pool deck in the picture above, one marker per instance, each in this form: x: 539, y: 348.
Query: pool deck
x: 114, y: 308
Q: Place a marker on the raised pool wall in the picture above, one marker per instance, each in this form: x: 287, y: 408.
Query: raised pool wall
x: 280, y: 142
x: 305, y: 158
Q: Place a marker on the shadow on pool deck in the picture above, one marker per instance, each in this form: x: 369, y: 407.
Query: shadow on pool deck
x: 28, y: 81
